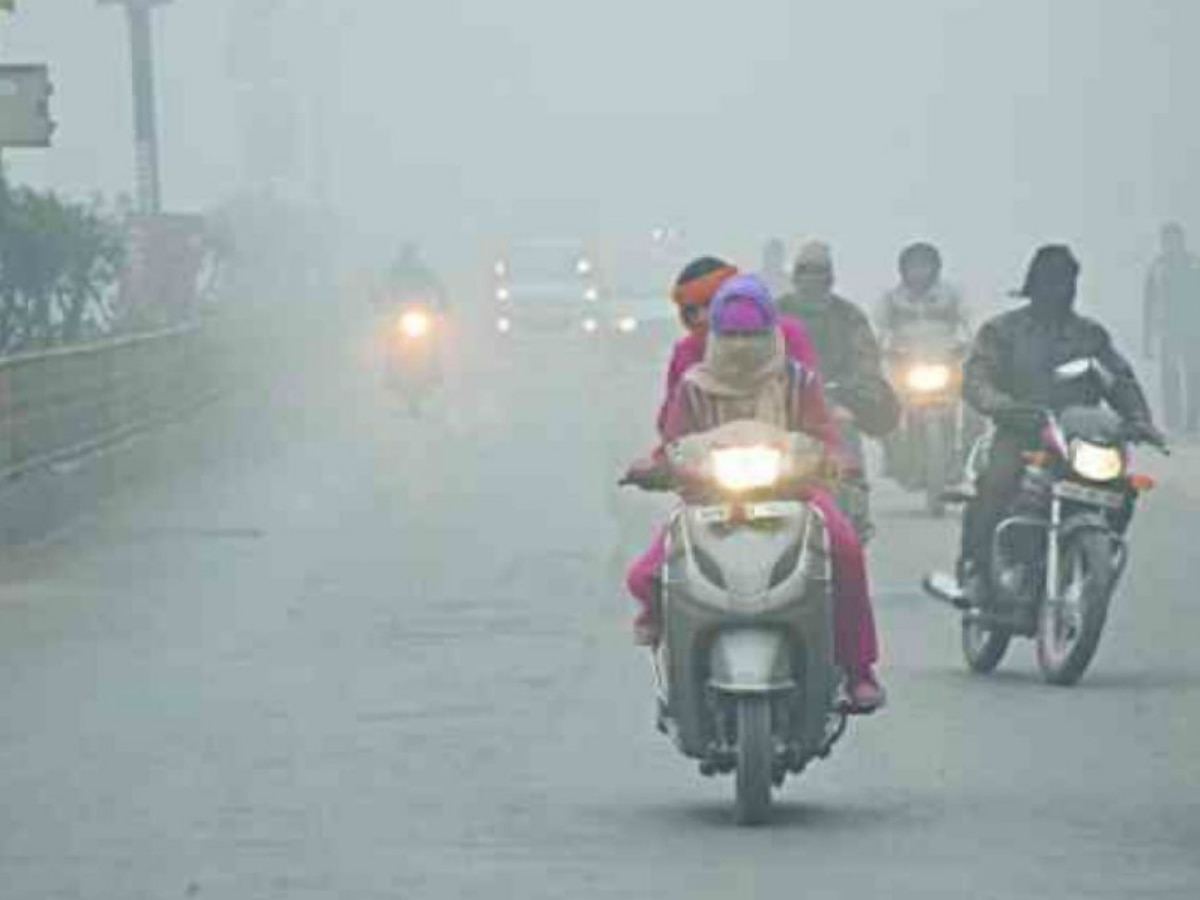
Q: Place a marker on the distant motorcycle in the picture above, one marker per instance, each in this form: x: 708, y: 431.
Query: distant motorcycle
x: 412, y: 351
x: 746, y: 677
x: 1059, y: 555
x: 926, y: 452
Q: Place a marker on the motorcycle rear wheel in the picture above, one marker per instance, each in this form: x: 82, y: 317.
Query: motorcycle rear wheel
x: 983, y: 647
x: 1069, y: 631
x: 755, y: 761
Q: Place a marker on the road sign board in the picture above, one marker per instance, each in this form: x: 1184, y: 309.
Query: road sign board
x: 25, y: 106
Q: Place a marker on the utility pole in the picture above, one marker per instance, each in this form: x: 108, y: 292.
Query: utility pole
x: 145, y: 126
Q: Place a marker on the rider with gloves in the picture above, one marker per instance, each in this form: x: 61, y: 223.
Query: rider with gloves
x: 1010, y: 378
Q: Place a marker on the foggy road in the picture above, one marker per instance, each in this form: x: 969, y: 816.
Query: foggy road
x: 347, y: 655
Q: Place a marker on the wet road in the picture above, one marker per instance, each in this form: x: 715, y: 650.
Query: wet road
x: 345, y: 656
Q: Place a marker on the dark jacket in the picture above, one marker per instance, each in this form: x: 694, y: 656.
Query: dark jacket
x: 1011, y: 367
x: 850, y: 360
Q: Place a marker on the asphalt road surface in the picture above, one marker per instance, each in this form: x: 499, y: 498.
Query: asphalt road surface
x: 344, y: 654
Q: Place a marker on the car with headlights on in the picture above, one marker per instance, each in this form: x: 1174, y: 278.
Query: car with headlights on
x: 546, y: 288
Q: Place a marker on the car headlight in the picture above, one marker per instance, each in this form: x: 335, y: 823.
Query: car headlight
x: 503, y: 325
x: 503, y: 294
x: 741, y: 469
x: 592, y: 294
x: 1097, y: 463
x: 591, y: 326
x: 415, y: 324
x: 927, y: 378
x: 584, y: 266
x: 627, y: 325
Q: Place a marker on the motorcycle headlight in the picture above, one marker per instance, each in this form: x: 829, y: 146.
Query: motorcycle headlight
x: 503, y: 325
x: 584, y: 266
x: 591, y: 326
x: 741, y: 469
x: 627, y: 325
x: 1097, y: 463
x: 503, y: 294
x: 592, y: 294
x: 500, y: 268
x: 415, y: 324
x: 928, y: 378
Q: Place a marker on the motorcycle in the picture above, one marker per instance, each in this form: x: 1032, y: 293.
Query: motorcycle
x: 745, y: 671
x: 1058, y: 556
x: 412, y: 363
x: 925, y: 453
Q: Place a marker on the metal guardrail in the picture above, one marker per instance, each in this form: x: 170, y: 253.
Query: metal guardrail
x: 66, y: 402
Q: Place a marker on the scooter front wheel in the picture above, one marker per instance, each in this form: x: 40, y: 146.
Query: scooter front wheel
x: 755, y: 760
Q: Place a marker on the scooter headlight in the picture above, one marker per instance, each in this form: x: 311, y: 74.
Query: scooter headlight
x: 741, y: 469
x: 928, y: 378
x: 415, y: 324
x: 1097, y: 463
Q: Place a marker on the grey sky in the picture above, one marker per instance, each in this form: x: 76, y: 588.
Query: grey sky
x: 986, y: 125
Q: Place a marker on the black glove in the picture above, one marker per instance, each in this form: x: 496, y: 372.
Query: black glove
x: 646, y: 477
x: 1145, y: 432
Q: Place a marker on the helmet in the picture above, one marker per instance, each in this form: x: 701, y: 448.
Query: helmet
x: 1052, y: 267
x: 813, y: 269
x: 920, y: 253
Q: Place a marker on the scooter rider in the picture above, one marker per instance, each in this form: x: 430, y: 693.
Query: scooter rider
x: 1009, y: 377
x: 747, y: 373
x: 921, y: 296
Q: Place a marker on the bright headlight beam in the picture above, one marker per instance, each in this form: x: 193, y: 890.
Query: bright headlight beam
x: 415, y: 324
x: 928, y: 378
x: 1096, y: 463
x: 627, y: 325
x: 741, y: 469
x: 591, y: 326
x: 503, y: 293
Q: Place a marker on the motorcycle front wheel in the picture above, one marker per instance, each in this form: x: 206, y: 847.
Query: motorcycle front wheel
x: 1069, y: 628
x: 755, y: 760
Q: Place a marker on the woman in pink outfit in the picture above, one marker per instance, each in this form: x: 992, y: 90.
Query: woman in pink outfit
x: 746, y: 372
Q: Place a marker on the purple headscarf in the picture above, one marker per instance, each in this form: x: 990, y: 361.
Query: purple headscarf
x: 743, y: 305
